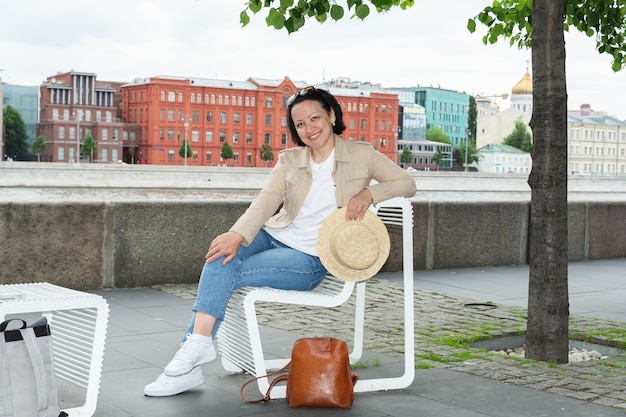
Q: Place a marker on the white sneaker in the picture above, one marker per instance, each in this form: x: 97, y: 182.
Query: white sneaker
x: 191, y: 354
x: 165, y: 386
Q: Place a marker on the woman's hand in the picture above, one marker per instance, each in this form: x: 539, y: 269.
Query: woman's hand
x: 359, y: 204
x: 226, y: 244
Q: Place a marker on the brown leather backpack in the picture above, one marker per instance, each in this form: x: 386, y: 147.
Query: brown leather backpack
x: 318, y: 375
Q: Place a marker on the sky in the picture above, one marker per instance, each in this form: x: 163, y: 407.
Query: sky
x: 426, y: 45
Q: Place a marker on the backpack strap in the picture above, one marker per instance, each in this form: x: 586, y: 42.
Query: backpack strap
x: 274, y: 382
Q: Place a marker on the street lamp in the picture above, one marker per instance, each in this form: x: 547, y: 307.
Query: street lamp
x: 79, y: 115
x: 186, y: 119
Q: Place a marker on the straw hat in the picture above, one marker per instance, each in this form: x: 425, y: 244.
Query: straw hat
x: 353, y: 250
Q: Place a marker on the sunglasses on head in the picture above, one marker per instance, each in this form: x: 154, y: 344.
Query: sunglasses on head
x: 301, y: 93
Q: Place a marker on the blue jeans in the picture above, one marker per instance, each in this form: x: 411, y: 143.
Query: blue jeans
x: 265, y: 262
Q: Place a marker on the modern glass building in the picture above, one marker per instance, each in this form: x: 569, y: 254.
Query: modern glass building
x: 446, y: 109
x: 24, y: 99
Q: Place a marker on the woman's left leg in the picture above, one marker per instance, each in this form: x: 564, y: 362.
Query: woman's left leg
x: 278, y: 266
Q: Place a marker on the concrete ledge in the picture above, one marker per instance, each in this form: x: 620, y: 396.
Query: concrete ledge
x: 92, y: 245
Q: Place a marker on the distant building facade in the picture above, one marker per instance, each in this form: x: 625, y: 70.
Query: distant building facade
x: 446, y: 109
x: 76, y: 104
x: 25, y: 100
x: 504, y: 159
x: 411, y: 134
x: 596, y: 141
x: 245, y: 114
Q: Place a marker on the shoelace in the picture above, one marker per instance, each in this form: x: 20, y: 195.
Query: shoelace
x: 185, y: 349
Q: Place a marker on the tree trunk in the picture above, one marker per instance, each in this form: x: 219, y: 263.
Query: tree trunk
x: 548, y: 306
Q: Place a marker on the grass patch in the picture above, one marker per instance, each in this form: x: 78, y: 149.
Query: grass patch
x: 365, y: 363
x: 424, y: 365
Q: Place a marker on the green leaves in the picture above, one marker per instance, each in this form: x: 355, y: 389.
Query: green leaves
x: 603, y: 19
x: 336, y: 12
x: 291, y: 15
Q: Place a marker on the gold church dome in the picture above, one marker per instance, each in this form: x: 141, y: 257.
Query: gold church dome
x: 523, y: 86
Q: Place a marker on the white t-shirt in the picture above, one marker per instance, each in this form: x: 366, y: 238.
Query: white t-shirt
x: 320, y: 202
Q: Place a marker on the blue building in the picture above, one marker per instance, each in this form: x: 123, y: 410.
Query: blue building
x: 24, y: 99
x: 446, y: 109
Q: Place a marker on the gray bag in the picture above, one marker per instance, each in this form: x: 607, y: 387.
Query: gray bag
x: 27, y: 381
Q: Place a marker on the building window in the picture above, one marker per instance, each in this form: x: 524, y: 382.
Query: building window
x: 195, y: 116
x: 236, y: 157
x: 268, y: 138
x: 222, y: 136
x: 170, y: 135
x: 162, y: 115
x: 363, y: 124
x: 180, y: 96
x: 194, y: 155
x: 208, y: 136
x: 209, y: 117
x: 209, y: 156
x: 171, y: 96
x: 222, y: 117
x: 269, y: 102
x: 249, y: 119
x: 236, y: 137
x: 195, y: 136
x: 249, y: 158
x: 161, y: 134
x: 170, y: 115
x: 61, y: 153
x: 170, y: 155
x: 114, y: 155
x: 249, y: 138
x: 268, y: 120
x: 62, y: 132
x: 236, y: 118
x: 105, y: 133
x: 104, y: 155
x: 162, y: 95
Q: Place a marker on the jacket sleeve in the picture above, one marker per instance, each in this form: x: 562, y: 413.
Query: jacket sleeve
x: 390, y: 179
x: 264, y: 205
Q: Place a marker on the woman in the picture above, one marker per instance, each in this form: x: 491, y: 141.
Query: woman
x: 280, y: 250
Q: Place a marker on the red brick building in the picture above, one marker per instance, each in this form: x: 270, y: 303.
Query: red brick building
x: 145, y: 121
x: 74, y: 105
x: 246, y: 115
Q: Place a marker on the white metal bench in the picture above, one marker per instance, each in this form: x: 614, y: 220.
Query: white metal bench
x: 78, y: 323
x: 239, y: 340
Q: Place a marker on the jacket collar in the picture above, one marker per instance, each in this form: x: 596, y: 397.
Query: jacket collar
x: 341, y: 150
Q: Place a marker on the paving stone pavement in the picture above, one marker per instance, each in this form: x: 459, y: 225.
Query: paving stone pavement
x: 444, y: 327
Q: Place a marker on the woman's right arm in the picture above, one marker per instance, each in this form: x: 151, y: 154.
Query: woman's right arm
x: 265, y: 204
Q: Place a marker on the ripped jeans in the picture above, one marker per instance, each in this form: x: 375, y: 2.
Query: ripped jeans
x: 265, y: 262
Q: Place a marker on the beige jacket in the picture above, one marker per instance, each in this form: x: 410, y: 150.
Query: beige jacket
x: 356, y: 165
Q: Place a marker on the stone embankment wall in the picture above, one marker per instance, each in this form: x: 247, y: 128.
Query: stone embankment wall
x: 105, y: 227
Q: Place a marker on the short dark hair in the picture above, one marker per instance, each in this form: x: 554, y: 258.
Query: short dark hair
x: 326, y: 100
